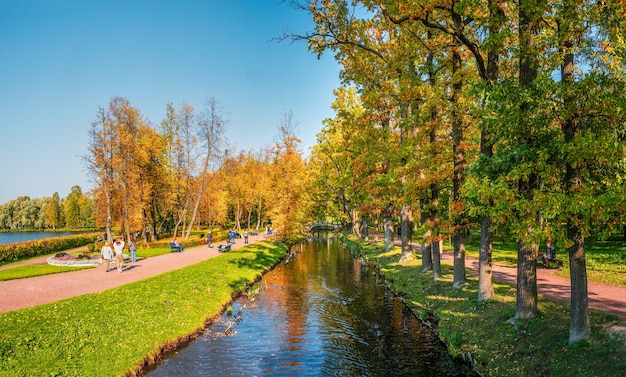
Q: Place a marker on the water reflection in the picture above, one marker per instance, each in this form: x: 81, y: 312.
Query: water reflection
x: 320, y: 314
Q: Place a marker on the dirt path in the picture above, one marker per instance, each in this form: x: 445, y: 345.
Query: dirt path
x: 25, y: 293
x: 602, y: 297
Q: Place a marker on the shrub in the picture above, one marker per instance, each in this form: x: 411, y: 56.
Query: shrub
x: 15, y: 251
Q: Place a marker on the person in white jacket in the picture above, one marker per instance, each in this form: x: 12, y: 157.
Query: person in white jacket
x: 107, y: 254
x: 118, y: 245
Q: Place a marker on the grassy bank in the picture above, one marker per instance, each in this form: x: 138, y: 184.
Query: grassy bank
x: 538, y: 347
x: 114, y: 332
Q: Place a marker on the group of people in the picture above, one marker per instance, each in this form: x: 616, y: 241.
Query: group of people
x: 232, y: 236
x: 117, y: 251
x: 176, y: 246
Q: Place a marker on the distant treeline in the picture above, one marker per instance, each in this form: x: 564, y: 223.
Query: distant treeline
x: 76, y: 211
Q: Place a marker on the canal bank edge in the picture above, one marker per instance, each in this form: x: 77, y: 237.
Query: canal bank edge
x: 137, y: 321
x: 480, y: 332
x: 170, y: 347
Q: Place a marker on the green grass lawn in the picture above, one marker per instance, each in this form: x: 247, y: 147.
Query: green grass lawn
x: 112, y: 333
x: 20, y: 272
x: 537, y: 347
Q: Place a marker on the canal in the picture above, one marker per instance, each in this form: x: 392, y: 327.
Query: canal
x: 319, y: 313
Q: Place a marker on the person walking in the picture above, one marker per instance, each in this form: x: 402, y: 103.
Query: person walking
x: 245, y: 236
x: 118, y: 245
x: 209, y: 238
x: 132, y: 247
x: 107, y: 254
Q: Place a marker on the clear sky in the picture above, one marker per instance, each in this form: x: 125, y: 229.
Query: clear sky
x: 61, y: 60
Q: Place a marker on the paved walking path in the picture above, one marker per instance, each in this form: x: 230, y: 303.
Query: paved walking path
x: 24, y: 293
x: 38, y: 290
x: 602, y: 297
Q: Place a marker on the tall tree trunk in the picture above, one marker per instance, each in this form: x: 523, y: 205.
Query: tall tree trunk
x: 355, y: 223
x: 458, y: 177
x: 238, y: 212
x: 485, y: 266
x: 109, y: 209
x: 437, y: 242
x: 427, y: 250
x: 526, y: 299
x: 364, y: 228
x: 260, y: 207
x: 580, y: 328
x: 437, y: 247
x: 406, y: 232
x: 530, y: 14
x: 388, y: 232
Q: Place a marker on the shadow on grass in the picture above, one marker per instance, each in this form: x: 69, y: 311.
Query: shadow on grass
x: 257, y: 257
x: 537, y: 346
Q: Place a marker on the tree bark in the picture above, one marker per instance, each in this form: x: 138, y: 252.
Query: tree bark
x: 364, y: 229
x: 526, y: 299
x: 458, y: 177
x: 530, y: 14
x: 427, y: 250
x: 580, y: 328
x: 437, y: 247
x: 406, y: 226
x: 388, y: 233
x: 485, y: 266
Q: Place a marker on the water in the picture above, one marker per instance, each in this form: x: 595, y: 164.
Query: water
x: 30, y: 236
x: 322, y: 314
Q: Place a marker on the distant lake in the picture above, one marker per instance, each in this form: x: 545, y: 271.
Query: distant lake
x: 29, y: 236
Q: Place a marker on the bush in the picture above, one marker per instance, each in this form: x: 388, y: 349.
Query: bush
x: 16, y: 251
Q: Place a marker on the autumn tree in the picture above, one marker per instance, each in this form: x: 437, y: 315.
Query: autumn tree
x: 214, y: 207
x: 210, y: 127
x: 71, y: 208
x: 101, y: 166
x: 289, y: 205
x: 592, y: 139
x: 121, y: 156
x: 332, y: 157
x: 52, y: 212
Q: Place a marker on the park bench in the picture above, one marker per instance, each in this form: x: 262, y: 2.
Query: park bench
x: 174, y: 249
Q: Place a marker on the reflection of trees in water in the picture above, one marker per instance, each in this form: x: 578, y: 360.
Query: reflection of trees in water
x: 323, y: 313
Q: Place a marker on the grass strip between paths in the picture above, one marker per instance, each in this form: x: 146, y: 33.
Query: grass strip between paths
x: 112, y: 333
x: 536, y: 347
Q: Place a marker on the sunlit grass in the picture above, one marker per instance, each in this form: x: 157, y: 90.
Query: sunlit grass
x: 111, y: 333
x: 536, y: 347
x: 21, y: 272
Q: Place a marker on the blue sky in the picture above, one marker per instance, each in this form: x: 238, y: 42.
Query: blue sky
x: 61, y: 60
